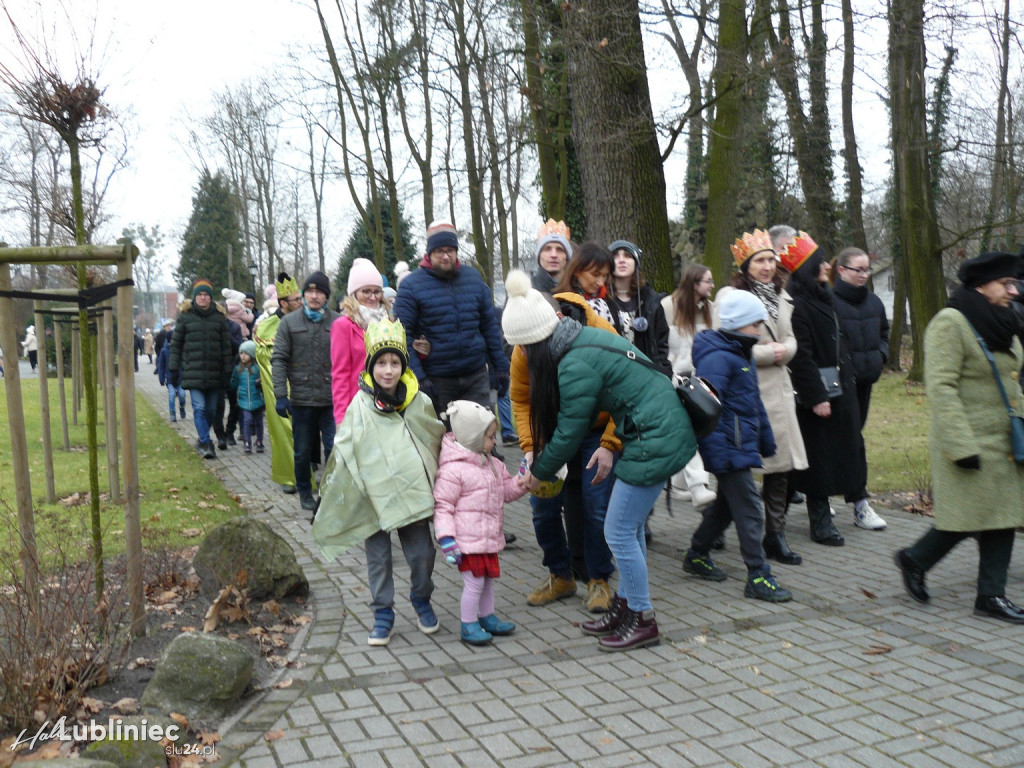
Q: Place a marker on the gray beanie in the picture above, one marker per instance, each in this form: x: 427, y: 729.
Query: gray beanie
x: 740, y: 309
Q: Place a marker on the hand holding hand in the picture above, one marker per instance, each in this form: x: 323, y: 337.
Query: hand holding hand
x: 451, y: 550
x: 421, y: 346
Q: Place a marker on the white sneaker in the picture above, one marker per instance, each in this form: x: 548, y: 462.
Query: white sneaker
x: 703, y: 496
x: 866, y: 517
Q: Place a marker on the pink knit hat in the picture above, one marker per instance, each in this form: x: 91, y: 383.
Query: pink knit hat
x: 363, y: 274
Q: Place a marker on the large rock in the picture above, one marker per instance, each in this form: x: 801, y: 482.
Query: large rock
x: 123, y: 751
x: 199, y: 676
x: 249, y: 547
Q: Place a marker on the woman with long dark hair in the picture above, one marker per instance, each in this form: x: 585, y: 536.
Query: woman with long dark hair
x: 576, y: 372
x: 641, y: 318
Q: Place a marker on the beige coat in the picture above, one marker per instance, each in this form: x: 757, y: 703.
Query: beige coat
x: 775, y: 386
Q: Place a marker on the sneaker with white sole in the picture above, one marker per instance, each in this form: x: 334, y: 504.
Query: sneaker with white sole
x: 866, y: 517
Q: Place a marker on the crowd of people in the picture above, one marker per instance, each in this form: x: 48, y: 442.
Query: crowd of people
x: 397, y: 395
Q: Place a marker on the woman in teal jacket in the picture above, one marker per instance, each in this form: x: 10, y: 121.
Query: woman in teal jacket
x: 574, y: 373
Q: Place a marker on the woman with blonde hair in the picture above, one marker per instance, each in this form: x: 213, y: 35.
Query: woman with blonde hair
x: 364, y: 304
x: 688, y: 311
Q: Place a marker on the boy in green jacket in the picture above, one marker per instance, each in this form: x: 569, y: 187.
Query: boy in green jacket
x: 380, y: 478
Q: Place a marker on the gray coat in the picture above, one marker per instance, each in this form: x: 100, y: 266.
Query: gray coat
x: 968, y: 418
x: 301, y: 362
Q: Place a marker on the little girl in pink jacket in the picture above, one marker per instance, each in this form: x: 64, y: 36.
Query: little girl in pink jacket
x: 469, y: 497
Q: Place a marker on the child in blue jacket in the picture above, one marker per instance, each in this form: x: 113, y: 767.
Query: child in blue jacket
x: 173, y: 390
x: 742, y: 437
x: 245, y: 382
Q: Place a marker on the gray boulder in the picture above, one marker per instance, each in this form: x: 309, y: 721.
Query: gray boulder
x: 199, y: 676
x: 126, y: 751
x: 249, y: 547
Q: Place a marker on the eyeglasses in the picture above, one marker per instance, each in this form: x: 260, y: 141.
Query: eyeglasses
x: 706, y: 281
x: 370, y: 292
x: 858, y: 270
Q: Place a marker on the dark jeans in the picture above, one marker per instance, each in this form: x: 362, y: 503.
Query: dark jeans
x: 306, y: 420
x: 474, y: 386
x: 995, y: 548
x: 231, y: 396
x: 549, y: 529
x: 863, y: 403
x: 252, y: 427
x: 738, y: 501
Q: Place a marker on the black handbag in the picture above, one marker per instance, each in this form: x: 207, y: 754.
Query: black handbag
x: 1016, y: 422
x: 697, y: 396
x: 830, y: 373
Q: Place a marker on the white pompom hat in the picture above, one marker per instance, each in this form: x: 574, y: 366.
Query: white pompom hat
x: 528, y: 317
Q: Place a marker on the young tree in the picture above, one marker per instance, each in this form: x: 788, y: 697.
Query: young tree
x: 212, y: 229
x: 360, y: 245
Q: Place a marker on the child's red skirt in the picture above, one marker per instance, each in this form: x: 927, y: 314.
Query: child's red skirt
x: 481, y: 566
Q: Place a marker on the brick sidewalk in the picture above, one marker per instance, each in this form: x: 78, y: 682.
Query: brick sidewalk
x: 851, y: 673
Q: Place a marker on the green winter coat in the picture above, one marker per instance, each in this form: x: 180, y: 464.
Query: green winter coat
x: 657, y: 438
x: 201, y: 348
x: 968, y: 418
x: 380, y: 475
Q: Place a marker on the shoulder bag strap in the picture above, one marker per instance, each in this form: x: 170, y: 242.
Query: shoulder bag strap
x: 992, y: 362
x: 631, y: 354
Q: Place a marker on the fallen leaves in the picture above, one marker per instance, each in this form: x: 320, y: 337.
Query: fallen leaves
x: 877, y: 649
x: 230, y: 605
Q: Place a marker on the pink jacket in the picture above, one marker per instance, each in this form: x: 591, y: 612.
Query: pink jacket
x: 348, y: 358
x: 469, y: 499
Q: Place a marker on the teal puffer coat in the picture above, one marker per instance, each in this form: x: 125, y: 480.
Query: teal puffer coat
x: 657, y: 438
x: 201, y: 348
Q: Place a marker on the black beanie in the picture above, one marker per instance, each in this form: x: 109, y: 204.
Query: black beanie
x: 319, y: 281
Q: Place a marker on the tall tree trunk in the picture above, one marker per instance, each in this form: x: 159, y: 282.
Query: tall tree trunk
x: 997, y: 201
x: 918, y: 226
x: 725, y: 153
x: 613, y: 131
x: 854, y: 202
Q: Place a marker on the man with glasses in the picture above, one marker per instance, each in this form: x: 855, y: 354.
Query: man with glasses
x: 448, y: 303
x: 302, y: 378
x: 863, y: 321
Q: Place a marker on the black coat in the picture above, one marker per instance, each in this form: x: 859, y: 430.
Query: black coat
x: 862, y: 316
x: 201, y: 349
x: 835, y: 448
x: 654, y: 341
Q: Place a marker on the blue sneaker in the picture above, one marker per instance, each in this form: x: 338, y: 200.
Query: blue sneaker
x: 427, y: 622
x: 474, y: 634
x: 383, y: 623
x: 496, y: 626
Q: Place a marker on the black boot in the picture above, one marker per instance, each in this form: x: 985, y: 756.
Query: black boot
x: 822, y: 529
x: 609, y: 622
x: 636, y: 630
x: 777, y: 548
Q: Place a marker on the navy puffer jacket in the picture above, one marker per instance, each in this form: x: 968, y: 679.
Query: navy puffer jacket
x: 743, y: 434
x: 456, y: 315
x: 862, y: 316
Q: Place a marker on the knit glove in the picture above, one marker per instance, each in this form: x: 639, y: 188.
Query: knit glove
x: 969, y: 462
x: 451, y: 550
x: 499, y: 383
x: 174, y: 377
x: 283, y: 407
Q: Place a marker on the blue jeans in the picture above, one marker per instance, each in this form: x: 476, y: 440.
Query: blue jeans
x: 204, y: 406
x: 508, y: 427
x: 172, y: 394
x: 550, y: 532
x: 628, y: 509
x: 305, y: 421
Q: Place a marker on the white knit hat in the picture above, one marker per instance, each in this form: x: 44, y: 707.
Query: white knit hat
x: 527, y: 317
x: 740, y: 309
x: 362, y: 274
x: 469, y: 422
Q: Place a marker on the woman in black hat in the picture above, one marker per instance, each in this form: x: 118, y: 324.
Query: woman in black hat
x: 977, y: 487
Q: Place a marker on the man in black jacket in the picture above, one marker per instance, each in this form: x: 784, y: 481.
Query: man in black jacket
x: 862, y: 317
x: 200, y: 359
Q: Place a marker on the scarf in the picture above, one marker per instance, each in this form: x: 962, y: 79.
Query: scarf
x: 313, y: 315
x: 382, y: 401
x: 996, y: 325
x: 368, y: 316
x: 768, y: 295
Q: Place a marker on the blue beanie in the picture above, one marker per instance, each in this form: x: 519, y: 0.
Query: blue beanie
x: 739, y: 309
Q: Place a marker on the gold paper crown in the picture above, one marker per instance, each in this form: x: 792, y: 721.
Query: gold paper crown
x: 749, y: 244
x: 385, y: 335
x: 552, y: 227
x: 285, y: 285
x: 798, y: 252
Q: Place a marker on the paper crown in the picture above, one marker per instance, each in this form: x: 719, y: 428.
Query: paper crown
x: 798, y: 252
x: 749, y: 244
x: 286, y: 285
x: 552, y: 227
x: 385, y: 335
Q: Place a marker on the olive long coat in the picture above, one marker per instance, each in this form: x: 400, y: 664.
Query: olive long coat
x: 776, y: 386
x: 968, y: 418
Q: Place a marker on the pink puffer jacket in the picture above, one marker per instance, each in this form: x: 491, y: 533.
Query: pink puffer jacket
x: 348, y: 358
x: 469, y: 499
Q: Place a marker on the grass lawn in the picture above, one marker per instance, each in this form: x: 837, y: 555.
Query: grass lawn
x: 896, y: 436
x: 180, y: 499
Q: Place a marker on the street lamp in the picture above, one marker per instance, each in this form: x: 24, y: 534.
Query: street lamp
x: 254, y: 272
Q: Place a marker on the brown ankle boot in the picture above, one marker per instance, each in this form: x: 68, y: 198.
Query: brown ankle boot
x: 636, y: 630
x: 609, y: 622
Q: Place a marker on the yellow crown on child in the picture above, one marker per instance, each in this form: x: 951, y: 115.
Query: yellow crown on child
x: 552, y: 227
x: 749, y: 244
x: 385, y: 335
x: 285, y: 285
